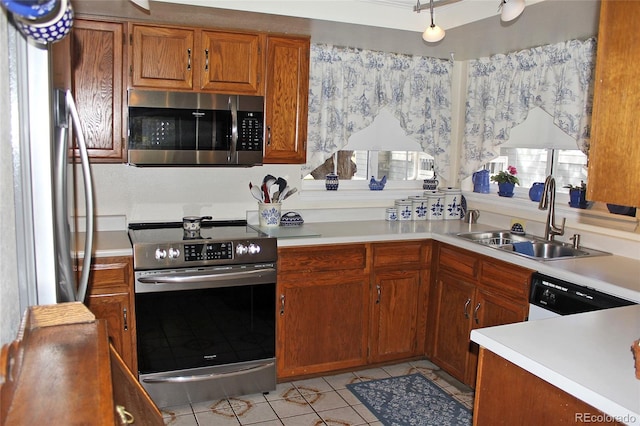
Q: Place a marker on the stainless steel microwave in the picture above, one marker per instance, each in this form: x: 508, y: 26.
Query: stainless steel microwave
x: 194, y: 129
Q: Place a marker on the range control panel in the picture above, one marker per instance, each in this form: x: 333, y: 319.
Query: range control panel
x: 208, y: 251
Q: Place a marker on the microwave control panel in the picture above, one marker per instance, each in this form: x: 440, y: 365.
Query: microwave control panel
x: 250, y: 131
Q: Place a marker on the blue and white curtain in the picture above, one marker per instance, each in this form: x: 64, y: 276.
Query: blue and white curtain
x: 502, y: 89
x: 349, y: 86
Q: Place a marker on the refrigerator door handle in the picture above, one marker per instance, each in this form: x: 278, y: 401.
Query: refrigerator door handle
x: 88, y: 195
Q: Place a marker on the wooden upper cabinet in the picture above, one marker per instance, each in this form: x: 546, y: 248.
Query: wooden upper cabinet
x: 614, y: 127
x: 174, y: 58
x: 233, y: 62
x: 90, y: 63
x: 286, y: 97
x: 162, y: 57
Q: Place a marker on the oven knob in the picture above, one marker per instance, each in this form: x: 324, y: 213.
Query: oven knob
x: 161, y: 254
x: 174, y: 253
x: 242, y: 249
x: 254, y: 249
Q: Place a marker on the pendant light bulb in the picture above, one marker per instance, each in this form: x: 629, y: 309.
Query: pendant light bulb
x: 511, y: 9
x: 433, y: 33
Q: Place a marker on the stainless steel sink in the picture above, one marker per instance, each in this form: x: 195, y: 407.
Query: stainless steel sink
x: 529, y: 246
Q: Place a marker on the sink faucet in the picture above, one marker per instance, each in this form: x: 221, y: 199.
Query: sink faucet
x: 548, y: 200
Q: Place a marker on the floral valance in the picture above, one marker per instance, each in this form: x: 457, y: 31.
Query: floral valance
x: 349, y: 86
x: 502, y: 89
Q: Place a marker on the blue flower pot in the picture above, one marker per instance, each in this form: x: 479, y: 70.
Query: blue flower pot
x: 535, y: 192
x: 506, y: 189
x: 577, y: 198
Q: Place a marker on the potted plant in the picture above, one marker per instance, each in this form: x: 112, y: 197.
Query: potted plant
x: 577, y: 195
x: 506, y: 180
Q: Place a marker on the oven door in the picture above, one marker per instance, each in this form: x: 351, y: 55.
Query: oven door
x: 206, y: 333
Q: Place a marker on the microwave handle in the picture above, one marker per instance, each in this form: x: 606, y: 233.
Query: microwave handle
x: 233, y: 105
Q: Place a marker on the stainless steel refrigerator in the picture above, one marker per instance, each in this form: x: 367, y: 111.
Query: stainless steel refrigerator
x: 53, y: 232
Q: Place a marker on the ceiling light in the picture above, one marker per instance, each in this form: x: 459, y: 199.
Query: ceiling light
x: 433, y: 33
x: 511, y: 9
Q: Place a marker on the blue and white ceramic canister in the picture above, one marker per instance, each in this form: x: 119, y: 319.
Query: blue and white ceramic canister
x: 420, y: 207
x: 452, y: 203
x: 391, y: 214
x: 435, y: 203
x: 405, y: 209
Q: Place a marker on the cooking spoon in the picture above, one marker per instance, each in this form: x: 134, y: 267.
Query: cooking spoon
x: 289, y: 193
x: 255, y: 191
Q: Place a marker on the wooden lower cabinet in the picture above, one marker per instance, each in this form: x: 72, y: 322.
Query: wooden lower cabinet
x: 335, y: 311
x: 398, y: 300
x: 475, y: 292
x: 322, y: 309
x: 508, y: 395
x: 111, y: 297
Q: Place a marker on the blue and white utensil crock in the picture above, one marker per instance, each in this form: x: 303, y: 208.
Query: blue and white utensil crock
x: 452, y: 203
x: 269, y: 214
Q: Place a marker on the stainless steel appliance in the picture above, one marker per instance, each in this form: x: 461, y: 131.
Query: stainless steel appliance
x: 50, y: 195
x: 205, y: 310
x: 195, y: 129
x: 551, y: 297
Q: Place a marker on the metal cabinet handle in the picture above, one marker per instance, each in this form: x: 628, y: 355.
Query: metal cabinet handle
x: 475, y: 313
x: 268, y: 135
x: 379, y: 290
x: 125, y: 416
x: 206, y: 59
x: 189, y: 59
x: 282, y: 304
x: 124, y: 317
x: 466, y: 306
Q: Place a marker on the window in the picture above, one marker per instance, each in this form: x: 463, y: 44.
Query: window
x: 568, y: 166
x: 361, y: 165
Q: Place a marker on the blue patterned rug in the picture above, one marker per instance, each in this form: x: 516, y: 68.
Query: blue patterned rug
x: 410, y: 400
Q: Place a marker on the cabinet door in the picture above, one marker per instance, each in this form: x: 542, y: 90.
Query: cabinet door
x: 116, y: 310
x: 322, y: 322
x: 489, y: 310
x: 162, y: 57
x: 286, y: 96
x: 110, y: 297
x: 396, y: 306
x: 616, y: 102
x: 453, y: 307
x: 90, y: 63
x: 232, y: 63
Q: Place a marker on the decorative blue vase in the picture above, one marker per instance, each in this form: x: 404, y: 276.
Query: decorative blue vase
x: 535, y: 192
x: 505, y: 189
x: 331, y: 182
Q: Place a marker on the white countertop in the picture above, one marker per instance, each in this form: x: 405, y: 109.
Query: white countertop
x: 596, y: 363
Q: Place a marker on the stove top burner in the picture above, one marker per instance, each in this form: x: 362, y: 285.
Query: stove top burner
x: 161, y: 245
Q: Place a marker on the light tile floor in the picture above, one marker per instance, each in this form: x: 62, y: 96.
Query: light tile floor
x: 313, y: 402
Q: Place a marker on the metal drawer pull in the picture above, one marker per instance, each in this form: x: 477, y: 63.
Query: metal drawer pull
x: 282, y: 304
x: 206, y: 59
x: 195, y: 278
x: 201, y: 377
x: 126, y: 322
x: 475, y: 313
x: 466, y: 306
x: 189, y: 59
x: 379, y: 292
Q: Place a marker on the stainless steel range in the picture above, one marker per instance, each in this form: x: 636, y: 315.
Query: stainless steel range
x: 205, y: 309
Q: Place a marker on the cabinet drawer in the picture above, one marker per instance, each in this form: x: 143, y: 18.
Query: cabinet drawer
x: 397, y: 253
x: 458, y: 260
x: 110, y: 275
x: 322, y: 258
x: 506, y: 278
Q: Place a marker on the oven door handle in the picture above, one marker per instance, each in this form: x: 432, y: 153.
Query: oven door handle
x: 200, y: 377
x: 191, y: 278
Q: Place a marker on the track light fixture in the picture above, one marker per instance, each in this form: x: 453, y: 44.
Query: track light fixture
x: 433, y: 33
x: 510, y: 9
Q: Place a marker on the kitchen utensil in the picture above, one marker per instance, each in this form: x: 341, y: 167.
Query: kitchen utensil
x: 282, y: 184
x: 289, y: 193
x: 265, y: 193
x: 256, y: 192
x: 269, y: 180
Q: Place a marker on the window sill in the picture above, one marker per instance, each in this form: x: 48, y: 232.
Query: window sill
x: 358, y: 190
